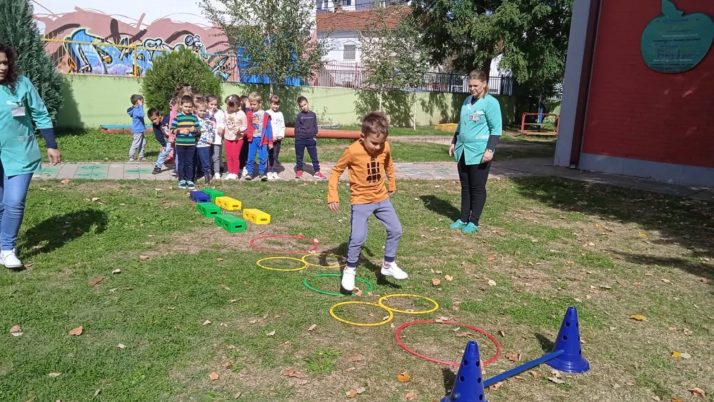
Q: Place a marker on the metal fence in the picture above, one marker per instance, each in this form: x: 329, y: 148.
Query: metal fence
x: 106, y: 58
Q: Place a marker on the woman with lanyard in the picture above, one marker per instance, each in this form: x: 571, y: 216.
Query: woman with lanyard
x: 473, y: 147
x: 20, y: 107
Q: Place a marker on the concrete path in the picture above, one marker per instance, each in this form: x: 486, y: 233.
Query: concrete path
x: 405, y: 171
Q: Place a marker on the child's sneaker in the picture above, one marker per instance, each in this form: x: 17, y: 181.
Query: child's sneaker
x: 470, y: 228
x: 263, y: 177
x: 10, y: 260
x: 190, y: 185
x: 182, y: 184
x: 348, y: 278
x: 247, y: 177
x: 216, y: 176
x: 244, y: 172
x: 156, y: 170
x: 457, y: 224
x: 319, y: 175
x: 132, y: 160
x: 231, y: 176
x: 142, y: 159
x: 298, y: 174
x: 393, y: 270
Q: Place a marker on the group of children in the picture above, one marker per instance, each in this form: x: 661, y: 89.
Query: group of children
x: 197, y: 131
x: 200, y: 127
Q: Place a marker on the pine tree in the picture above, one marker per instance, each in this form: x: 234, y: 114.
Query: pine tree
x: 18, y: 30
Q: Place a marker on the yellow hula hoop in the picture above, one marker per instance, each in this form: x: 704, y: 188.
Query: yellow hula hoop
x: 360, y: 324
x: 304, y: 260
x: 382, y: 299
x: 259, y: 263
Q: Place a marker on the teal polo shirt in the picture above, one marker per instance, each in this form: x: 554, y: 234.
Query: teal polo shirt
x: 477, y: 122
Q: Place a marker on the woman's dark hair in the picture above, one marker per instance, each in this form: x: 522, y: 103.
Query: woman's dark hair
x: 12, y: 73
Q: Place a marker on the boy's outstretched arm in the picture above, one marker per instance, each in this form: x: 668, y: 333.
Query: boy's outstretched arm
x: 333, y: 195
x: 389, y: 170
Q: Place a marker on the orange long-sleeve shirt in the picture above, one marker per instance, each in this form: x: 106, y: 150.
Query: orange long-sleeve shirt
x: 367, y: 175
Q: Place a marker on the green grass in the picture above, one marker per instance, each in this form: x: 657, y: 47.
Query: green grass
x: 533, y: 244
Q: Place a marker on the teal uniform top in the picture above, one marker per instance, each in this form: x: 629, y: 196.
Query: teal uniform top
x: 19, y: 152
x: 477, y: 122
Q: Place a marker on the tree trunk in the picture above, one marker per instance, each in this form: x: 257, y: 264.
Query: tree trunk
x: 486, y: 67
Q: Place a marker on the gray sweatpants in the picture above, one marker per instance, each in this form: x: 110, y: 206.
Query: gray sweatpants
x: 137, y: 144
x: 216, y: 157
x: 384, y: 211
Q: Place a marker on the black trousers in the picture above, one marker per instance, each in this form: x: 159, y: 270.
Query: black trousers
x: 473, y: 190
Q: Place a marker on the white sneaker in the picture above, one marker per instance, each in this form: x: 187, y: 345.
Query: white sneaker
x: 348, y: 278
x: 10, y: 260
x: 245, y: 172
x: 393, y: 270
x: 216, y: 176
x: 231, y: 176
x: 273, y: 176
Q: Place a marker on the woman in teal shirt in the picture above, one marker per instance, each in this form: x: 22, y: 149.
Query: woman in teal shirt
x: 473, y: 147
x: 20, y: 107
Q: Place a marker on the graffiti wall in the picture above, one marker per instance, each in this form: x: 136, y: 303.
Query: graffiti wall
x: 91, y: 42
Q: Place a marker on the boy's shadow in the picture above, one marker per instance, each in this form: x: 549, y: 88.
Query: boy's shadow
x: 55, y: 232
x: 441, y: 207
x: 341, y: 250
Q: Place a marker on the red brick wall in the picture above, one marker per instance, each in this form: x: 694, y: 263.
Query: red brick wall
x: 636, y: 113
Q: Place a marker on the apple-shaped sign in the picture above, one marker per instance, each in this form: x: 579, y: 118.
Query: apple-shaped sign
x: 675, y: 42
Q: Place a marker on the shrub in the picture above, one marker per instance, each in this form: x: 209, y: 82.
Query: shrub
x: 172, y: 69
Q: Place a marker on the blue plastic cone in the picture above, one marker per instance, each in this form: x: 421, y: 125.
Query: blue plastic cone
x: 572, y: 360
x: 468, y: 386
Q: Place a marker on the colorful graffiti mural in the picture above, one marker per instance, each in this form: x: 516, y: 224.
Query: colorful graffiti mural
x: 91, y: 42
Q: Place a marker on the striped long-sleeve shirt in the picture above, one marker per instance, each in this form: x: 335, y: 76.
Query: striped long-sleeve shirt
x: 182, y: 126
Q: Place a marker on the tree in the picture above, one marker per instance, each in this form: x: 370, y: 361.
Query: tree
x: 393, y: 57
x: 17, y: 29
x: 174, y: 68
x: 275, y: 36
x: 532, y: 36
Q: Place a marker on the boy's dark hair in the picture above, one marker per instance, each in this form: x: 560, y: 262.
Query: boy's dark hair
x: 275, y: 99
x: 301, y: 98
x: 243, y: 98
x: 135, y: 98
x: 211, y: 98
x: 233, y: 101
x: 187, y: 99
x: 153, y: 112
x: 375, y: 123
x: 199, y: 99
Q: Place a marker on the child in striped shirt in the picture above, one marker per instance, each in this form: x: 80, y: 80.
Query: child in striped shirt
x: 187, y: 130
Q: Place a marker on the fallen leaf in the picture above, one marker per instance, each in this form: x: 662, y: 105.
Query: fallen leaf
x: 357, y: 358
x: 675, y: 399
x: 214, y: 376
x: 605, y: 287
x: 534, y: 374
x: 676, y: 355
x: 436, y: 282
x: 143, y: 257
x: 503, y: 334
x: 513, y: 356
x: 442, y: 319
x: 121, y: 346
x: 312, y: 327
x: 449, y: 278
x: 291, y: 372
x: 638, y: 317
x: 16, y: 330
x: 219, y: 259
x: 492, y: 258
x: 232, y: 300
x: 556, y: 380
x: 66, y: 181
x: 271, y: 333
x: 357, y: 291
x: 411, y: 396
x: 207, y: 322
x: 404, y: 377
x: 361, y: 390
x: 686, y: 356
x: 227, y: 365
x: 95, y: 281
x: 491, y: 282
x: 97, y: 392
x: 54, y: 375
x: 666, y: 280
x: 697, y: 392
x: 116, y: 271
x: 225, y: 287
x: 76, y: 331
x: 496, y: 386
x: 351, y: 393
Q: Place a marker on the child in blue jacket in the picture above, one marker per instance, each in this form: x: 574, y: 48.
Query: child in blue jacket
x: 136, y: 111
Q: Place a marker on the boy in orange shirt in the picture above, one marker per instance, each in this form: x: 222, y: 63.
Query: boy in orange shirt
x: 369, y: 161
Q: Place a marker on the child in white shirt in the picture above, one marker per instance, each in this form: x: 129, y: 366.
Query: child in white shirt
x: 278, y: 125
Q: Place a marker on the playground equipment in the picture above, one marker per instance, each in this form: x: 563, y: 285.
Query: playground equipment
x: 213, y: 193
x: 231, y: 223
x: 329, y: 133
x: 199, y: 196
x: 468, y: 386
x: 382, y: 302
x: 386, y: 320
x: 228, y: 203
x: 256, y: 216
x: 208, y: 209
x: 566, y: 356
x: 300, y: 268
x: 539, y: 125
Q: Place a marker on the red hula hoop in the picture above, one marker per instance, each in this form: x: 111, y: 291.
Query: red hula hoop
x: 255, y: 247
x: 398, y: 338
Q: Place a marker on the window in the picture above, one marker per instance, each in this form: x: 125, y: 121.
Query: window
x: 349, y: 52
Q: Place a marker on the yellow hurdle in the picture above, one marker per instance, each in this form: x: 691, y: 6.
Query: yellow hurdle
x: 256, y: 216
x: 228, y: 203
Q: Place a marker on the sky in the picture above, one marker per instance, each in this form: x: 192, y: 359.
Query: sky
x: 178, y: 10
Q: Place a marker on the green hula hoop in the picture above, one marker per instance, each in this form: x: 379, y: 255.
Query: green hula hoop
x: 306, y: 282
